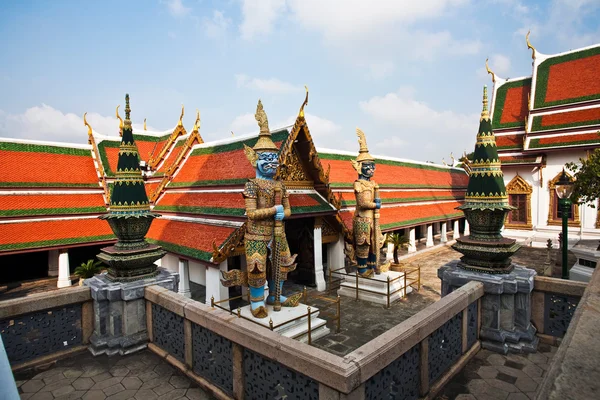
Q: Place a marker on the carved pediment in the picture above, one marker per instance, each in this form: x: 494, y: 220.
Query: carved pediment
x: 293, y: 170
x: 518, y: 185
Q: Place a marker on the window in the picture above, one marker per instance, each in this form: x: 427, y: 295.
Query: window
x: 519, y: 196
x: 519, y: 215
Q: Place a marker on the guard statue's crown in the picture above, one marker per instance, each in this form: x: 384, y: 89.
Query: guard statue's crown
x: 363, y: 153
x: 264, y: 142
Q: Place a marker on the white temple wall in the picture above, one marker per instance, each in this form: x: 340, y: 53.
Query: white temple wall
x: 170, y: 262
x: 197, y: 273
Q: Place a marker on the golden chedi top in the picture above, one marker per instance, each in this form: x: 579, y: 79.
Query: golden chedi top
x: 264, y: 142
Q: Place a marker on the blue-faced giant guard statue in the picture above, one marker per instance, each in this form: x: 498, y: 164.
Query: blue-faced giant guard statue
x: 267, y: 251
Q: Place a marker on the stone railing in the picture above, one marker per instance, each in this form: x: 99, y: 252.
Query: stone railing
x: 231, y: 358
x: 574, y: 372
x: 45, y: 326
x: 553, y: 303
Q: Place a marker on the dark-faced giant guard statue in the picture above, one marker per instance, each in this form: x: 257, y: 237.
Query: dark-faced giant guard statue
x: 267, y: 204
x: 368, y: 239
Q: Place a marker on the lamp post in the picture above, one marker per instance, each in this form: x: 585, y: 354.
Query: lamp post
x: 564, y: 189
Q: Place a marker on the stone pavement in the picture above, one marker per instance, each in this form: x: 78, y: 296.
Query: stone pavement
x: 490, y: 375
x: 140, y: 376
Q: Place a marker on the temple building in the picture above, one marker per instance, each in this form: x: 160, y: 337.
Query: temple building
x: 51, y: 196
x: 541, y: 122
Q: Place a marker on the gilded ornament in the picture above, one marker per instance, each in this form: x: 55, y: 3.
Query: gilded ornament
x: 489, y: 71
x: 529, y: 46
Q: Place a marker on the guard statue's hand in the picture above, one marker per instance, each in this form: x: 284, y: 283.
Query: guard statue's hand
x: 377, y: 204
x: 279, y: 212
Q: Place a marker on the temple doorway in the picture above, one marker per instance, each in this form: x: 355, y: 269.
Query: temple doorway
x: 300, y: 236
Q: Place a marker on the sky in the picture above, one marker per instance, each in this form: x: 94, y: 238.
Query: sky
x: 408, y: 73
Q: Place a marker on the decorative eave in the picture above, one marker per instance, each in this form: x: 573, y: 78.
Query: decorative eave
x: 97, y: 161
x: 232, y: 246
x: 178, y: 131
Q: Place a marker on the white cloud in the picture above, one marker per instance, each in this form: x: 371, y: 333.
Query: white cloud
x: 271, y: 85
x: 336, y: 19
x: 499, y: 64
x: 244, y: 124
x: 217, y: 26
x: 176, y: 8
x: 259, y: 16
x: 419, y: 126
x: 47, y: 123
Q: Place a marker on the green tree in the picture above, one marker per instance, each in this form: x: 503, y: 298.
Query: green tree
x: 399, y: 242
x: 586, y: 188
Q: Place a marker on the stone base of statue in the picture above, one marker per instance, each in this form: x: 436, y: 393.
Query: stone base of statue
x: 375, y: 288
x: 292, y: 322
x: 588, y: 259
x: 120, y: 312
x: 488, y: 256
x: 506, y: 305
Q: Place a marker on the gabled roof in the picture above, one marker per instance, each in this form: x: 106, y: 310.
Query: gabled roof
x: 578, y: 118
x: 27, y: 204
x: 398, y: 197
x: 567, y: 78
x: 510, y: 103
x: 509, y: 142
x: 518, y: 160
x: 565, y: 140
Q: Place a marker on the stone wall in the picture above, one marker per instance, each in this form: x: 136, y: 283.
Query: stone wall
x: 235, y: 358
x: 45, y: 326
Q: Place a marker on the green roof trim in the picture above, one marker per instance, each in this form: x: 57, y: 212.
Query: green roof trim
x: 44, y: 148
x: 515, y: 147
x: 543, y: 72
x: 203, y: 210
x: 406, y: 200
x: 345, y: 157
x: 52, y: 211
x: 56, y: 242
x: 104, y: 158
x: 183, y: 250
x: 396, y: 225
x: 501, y: 99
x: 537, y: 124
x: 48, y: 184
x: 276, y: 136
x: 149, y: 138
x: 399, y: 185
x: 535, y: 143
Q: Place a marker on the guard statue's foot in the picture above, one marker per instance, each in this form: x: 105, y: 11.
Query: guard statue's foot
x: 366, y: 274
x: 292, y: 301
x: 260, y: 312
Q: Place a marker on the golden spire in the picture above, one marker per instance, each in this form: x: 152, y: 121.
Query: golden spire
x: 180, y: 123
x: 197, y: 123
x: 485, y: 113
x: 120, y: 119
x: 145, y: 124
x: 127, y: 123
x: 489, y: 71
x: 264, y: 142
x: 529, y: 46
x: 301, y: 113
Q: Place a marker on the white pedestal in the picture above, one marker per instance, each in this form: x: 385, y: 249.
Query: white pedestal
x: 378, y: 287
x: 586, y: 252
x: 298, y: 329
x: 580, y: 273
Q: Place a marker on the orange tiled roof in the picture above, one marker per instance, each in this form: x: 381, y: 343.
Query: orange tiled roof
x: 387, y: 197
x: 51, y: 204
x: 568, y: 78
x: 509, y: 142
x: 510, y: 104
x: 35, y: 165
x: 405, y: 216
x: 567, y: 119
x: 192, y: 239
x: 39, y: 234
x: 394, y: 174
x: 585, y: 139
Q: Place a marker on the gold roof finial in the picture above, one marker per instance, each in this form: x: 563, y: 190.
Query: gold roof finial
x: 264, y: 142
x: 232, y: 135
x: 529, y: 46
x: 119, y: 117
x: 180, y: 123
x: 489, y: 71
x: 145, y: 124
x: 86, y: 124
x: 127, y: 123
x: 197, y: 123
x: 301, y: 113
x: 485, y: 113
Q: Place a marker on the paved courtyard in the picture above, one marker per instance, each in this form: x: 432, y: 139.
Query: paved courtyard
x: 493, y: 376
x: 141, y: 376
